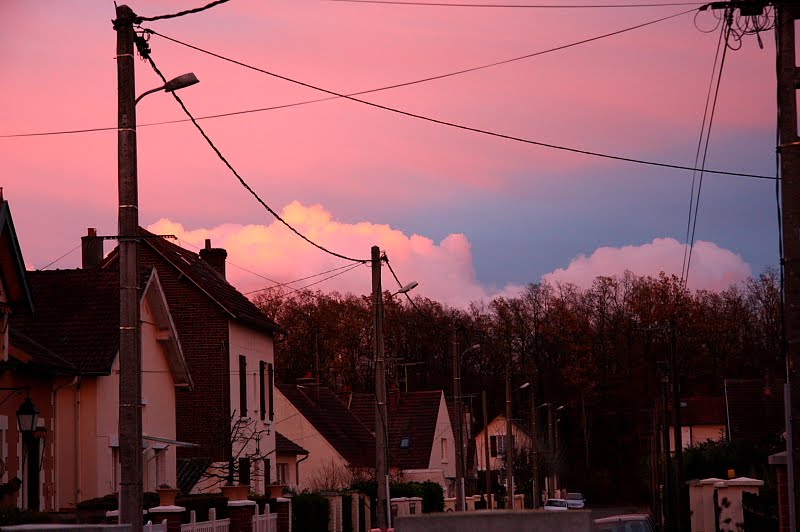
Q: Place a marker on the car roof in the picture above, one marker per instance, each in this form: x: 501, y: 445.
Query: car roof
x: 624, y: 517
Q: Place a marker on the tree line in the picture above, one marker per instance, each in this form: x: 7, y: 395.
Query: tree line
x: 596, y: 352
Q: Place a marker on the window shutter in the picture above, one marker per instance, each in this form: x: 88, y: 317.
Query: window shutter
x: 267, y: 471
x: 493, y: 442
x: 262, y: 369
x: 242, y: 386
x: 270, y: 388
x: 244, y: 471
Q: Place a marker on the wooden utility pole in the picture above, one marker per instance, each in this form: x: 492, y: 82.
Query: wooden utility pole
x: 130, y: 361
x: 381, y: 419
x: 677, y: 435
x: 788, y: 79
x: 459, y: 425
x: 534, y: 447
x: 509, y: 443
x: 488, y: 478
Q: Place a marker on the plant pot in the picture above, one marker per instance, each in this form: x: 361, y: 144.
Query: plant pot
x: 167, y: 496
x: 236, y: 493
x: 276, y: 490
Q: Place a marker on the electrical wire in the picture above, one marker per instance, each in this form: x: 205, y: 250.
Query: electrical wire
x: 697, y: 152
x: 410, y: 300
x: 59, y: 258
x: 181, y: 13
x: 369, y: 91
x: 241, y: 179
x: 705, y: 153
x: 455, y: 125
x: 524, y: 6
x: 349, y: 267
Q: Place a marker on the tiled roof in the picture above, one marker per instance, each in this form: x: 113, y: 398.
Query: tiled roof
x: 190, y: 471
x: 331, y: 418
x: 207, y: 279
x: 755, y: 410
x: 12, y: 265
x: 284, y: 445
x: 411, y: 415
x: 77, y: 317
x: 38, y: 356
x: 703, y: 410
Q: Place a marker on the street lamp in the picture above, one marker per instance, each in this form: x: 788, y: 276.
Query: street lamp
x: 130, y: 380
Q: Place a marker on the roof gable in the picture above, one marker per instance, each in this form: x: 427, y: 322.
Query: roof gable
x: 331, y: 418
x: 286, y: 447
x: 16, y: 291
x: 206, y: 279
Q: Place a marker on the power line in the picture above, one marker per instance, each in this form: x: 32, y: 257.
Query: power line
x: 241, y: 179
x: 369, y: 91
x: 705, y: 153
x: 410, y: 300
x: 455, y: 125
x: 697, y: 152
x: 61, y: 257
x: 523, y: 6
x: 181, y: 13
x: 346, y: 269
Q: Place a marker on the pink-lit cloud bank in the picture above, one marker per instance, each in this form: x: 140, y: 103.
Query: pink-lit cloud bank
x: 444, y: 270
x: 712, y: 267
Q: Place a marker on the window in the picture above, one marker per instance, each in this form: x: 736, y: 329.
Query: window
x: 271, y: 385
x: 444, y: 450
x: 262, y: 396
x: 283, y: 473
x: 405, y: 442
x: 498, y: 445
x: 242, y: 386
x: 244, y: 471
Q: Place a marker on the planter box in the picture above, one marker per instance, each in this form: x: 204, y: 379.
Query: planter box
x: 236, y: 493
x: 167, y: 496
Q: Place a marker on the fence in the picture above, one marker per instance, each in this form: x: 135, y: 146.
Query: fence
x: 266, y: 522
x: 212, y: 525
x: 161, y: 527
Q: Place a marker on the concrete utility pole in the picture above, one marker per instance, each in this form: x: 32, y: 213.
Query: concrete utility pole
x: 534, y: 447
x: 678, y: 522
x: 789, y: 149
x: 130, y: 379
x: 459, y: 422
x: 381, y: 418
x: 488, y: 477
x: 509, y: 443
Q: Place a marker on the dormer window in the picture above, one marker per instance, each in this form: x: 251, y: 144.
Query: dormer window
x: 405, y: 442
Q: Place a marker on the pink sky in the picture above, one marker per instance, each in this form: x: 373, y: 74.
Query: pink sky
x: 466, y: 215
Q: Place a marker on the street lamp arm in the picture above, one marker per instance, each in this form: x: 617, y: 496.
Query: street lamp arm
x: 182, y: 81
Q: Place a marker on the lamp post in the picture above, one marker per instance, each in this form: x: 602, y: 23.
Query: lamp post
x: 27, y: 421
x: 130, y: 382
x: 459, y: 436
x: 381, y: 415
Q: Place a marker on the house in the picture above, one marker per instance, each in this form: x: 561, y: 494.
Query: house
x: 227, y: 343
x: 287, y: 464
x: 702, y: 419
x: 421, y: 438
x: 340, y: 447
x: 754, y: 409
x: 79, y: 318
x: 29, y: 374
x: 498, y: 444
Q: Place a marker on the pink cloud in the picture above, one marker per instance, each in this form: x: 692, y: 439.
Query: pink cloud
x: 444, y: 269
x: 713, y: 267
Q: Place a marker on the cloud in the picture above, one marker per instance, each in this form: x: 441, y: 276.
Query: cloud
x: 713, y: 267
x: 444, y: 270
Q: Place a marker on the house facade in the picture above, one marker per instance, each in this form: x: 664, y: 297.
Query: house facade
x: 79, y: 318
x: 498, y: 443
x: 340, y: 447
x: 227, y: 342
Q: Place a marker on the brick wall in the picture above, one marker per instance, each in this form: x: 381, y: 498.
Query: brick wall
x: 203, y: 414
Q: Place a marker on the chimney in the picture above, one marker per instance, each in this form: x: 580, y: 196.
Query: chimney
x: 215, y: 257
x: 91, y: 250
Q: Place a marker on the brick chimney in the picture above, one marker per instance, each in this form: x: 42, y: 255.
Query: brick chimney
x: 214, y: 256
x: 91, y: 250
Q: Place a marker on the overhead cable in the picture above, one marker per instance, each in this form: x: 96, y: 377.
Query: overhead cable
x: 181, y: 13
x: 455, y: 125
x: 368, y: 91
x: 512, y: 6
x: 241, y: 179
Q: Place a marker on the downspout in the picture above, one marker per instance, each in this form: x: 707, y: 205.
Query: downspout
x: 297, y: 470
x: 56, y: 439
x: 78, y: 443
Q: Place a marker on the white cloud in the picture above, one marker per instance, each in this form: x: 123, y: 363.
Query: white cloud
x: 712, y: 268
x: 444, y: 270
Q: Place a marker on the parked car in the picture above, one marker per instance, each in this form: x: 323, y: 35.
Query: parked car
x: 575, y: 501
x: 625, y: 523
x: 557, y: 505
